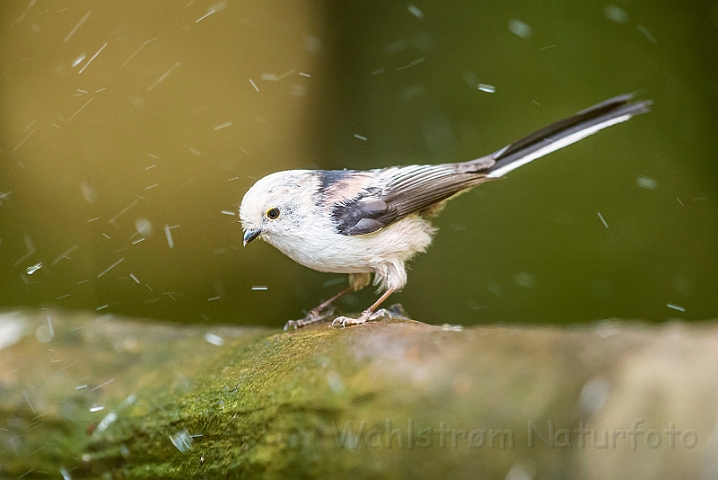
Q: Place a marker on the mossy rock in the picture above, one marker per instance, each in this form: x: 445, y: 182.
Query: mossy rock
x: 390, y: 399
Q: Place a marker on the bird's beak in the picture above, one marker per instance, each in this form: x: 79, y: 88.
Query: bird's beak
x: 250, y: 235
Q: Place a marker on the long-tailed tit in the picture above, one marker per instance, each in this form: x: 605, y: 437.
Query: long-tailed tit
x: 374, y: 221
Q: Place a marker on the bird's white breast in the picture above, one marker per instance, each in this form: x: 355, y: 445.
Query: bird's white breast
x: 319, y: 247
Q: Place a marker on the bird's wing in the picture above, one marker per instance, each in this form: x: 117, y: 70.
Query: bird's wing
x: 396, y: 192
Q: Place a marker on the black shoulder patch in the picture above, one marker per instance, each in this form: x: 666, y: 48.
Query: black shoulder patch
x: 363, y: 214
x: 332, y: 177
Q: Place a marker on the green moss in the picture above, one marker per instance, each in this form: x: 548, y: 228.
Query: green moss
x: 391, y: 399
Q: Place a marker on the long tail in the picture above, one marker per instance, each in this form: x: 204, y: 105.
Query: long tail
x: 565, y: 132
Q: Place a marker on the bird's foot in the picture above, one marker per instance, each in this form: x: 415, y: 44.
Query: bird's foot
x: 345, y: 321
x: 366, y: 316
x: 312, y: 317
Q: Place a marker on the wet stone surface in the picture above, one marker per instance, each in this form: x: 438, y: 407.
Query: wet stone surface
x: 90, y: 397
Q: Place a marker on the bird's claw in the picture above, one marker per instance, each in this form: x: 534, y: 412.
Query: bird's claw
x: 382, y: 312
x: 293, y: 324
x: 363, y: 318
x: 344, y: 321
x: 311, y: 317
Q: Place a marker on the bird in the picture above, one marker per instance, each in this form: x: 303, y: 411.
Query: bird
x: 372, y: 222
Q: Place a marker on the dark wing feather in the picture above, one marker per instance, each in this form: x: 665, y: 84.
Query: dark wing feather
x: 399, y: 192
x: 414, y: 189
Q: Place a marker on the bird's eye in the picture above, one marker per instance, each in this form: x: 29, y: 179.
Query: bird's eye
x: 273, y: 213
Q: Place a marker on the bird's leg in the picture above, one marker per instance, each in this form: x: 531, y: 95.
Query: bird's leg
x: 366, y: 315
x: 315, y: 314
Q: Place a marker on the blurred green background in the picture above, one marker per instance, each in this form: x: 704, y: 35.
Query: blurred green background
x: 129, y: 132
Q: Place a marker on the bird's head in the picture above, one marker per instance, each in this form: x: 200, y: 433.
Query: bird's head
x: 273, y: 207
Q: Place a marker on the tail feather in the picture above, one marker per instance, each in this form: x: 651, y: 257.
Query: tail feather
x: 565, y: 132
